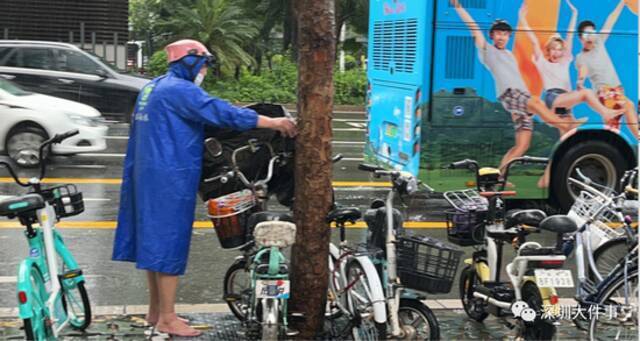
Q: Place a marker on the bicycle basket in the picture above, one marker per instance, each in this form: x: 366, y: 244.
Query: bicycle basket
x: 229, y: 214
x: 427, y: 264
x: 66, y: 200
x: 465, y: 222
x: 588, y: 205
x: 275, y: 233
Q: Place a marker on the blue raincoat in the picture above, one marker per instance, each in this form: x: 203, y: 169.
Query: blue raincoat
x: 162, y: 168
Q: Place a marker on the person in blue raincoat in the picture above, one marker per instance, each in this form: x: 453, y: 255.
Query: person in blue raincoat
x: 162, y: 172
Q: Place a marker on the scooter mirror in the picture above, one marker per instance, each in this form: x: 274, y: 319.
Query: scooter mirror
x: 213, y: 147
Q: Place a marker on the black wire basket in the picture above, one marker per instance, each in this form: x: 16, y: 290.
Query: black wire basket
x: 465, y: 228
x: 466, y: 219
x: 66, y: 200
x: 427, y: 264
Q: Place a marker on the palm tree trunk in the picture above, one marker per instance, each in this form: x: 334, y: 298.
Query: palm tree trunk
x: 313, y: 191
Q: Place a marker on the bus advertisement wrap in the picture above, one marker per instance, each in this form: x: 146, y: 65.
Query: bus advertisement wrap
x: 492, y: 80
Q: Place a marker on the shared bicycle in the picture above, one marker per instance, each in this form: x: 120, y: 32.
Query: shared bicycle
x: 50, y: 286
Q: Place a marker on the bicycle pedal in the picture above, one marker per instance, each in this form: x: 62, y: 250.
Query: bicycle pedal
x: 232, y: 298
x: 70, y: 274
x: 291, y: 332
x: 296, y: 315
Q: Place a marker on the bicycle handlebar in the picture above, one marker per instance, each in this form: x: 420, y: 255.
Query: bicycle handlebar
x: 499, y: 193
x: 369, y: 168
x: 466, y: 163
x: 587, y: 181
x: 58, y: 138
x: 589, y: 188
x: 533, y: 159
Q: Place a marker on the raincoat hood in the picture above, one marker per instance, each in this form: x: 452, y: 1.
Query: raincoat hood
x: 181, y: 68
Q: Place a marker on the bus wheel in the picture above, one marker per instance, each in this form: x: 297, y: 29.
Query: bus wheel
x: 598, y: 160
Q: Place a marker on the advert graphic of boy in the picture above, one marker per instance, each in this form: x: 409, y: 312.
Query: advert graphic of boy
x: 595, y: 63
x: 510, y: 87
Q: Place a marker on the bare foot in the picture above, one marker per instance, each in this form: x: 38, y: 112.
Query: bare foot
x: 152, y: 319
x: 613, y: 120
x: 612, y: 115
x: 573, y: 124
x: 176, y: 327
x: 543, y: 182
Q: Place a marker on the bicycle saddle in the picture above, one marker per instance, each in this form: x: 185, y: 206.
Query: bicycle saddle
x: 523, y: 217
x: 16, y: 205
x: 558, y: 224
x: 342, y: 215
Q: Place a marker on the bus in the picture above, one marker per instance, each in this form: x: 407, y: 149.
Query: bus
x: 495, y: 79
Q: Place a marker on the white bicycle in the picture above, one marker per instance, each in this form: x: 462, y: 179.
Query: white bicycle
x: 355, y: 290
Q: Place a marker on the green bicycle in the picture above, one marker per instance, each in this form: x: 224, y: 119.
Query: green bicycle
x: 51, y: 291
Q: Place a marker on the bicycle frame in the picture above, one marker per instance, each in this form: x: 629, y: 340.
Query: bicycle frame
x: 377, y: 294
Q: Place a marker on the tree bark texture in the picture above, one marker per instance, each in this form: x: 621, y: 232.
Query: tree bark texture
x: 313, y: 168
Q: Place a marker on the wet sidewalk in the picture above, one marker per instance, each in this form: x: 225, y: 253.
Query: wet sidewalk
x: 454, y: 325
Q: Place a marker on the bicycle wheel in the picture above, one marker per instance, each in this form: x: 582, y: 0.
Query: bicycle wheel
x: 617, y: 317
x: 36, y: 327
x: 418, y: 320
x: 76, y: 301
x: 237, y: 289
x: 360, y: 303
x: 608, y: 255
x: 539, y: 329
x: 334, y: 296
x: 474, y: 307
x: 270, y: 320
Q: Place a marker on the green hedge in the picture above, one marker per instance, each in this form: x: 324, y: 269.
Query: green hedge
x: 277, y: 85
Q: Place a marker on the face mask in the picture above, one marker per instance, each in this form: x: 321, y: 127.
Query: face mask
x: 199, y: 79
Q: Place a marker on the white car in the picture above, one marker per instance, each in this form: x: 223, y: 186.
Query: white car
x: 27, y: 119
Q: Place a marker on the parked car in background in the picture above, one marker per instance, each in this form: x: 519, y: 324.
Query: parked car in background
x: 66, y: 71
x: 27, y: 119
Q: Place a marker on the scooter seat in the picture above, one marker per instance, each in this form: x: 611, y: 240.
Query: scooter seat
x: 559, y: 224
x: 543, y: 251
x: 524, y: 217
x: 343, y: 215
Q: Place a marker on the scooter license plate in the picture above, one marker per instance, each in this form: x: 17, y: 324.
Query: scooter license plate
x: 272, y: 289
x: 548, y: 278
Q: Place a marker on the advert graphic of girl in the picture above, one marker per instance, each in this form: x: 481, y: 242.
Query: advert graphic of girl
x: 553, y: 66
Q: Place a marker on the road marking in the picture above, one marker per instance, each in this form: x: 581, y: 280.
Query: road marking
x: 100, y: 181
x: 202, y: 224
x: 354, y: 159
x: 82, y: 166
x: 104, y: 181
x: 357, y: 125
x: 102, y: 155
x: 348, y: 142
x: 339, y: 129
x: 347, y: 120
